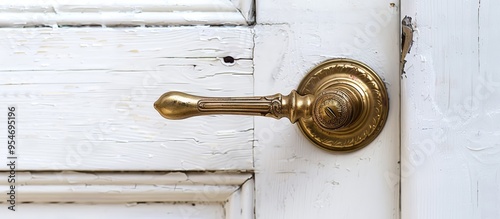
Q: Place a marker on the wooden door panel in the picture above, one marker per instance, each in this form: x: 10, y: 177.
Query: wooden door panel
x: 83, y: 77
x: 84, y: 97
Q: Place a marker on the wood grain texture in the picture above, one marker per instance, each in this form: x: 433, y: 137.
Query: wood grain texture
x: 28, y: 13
x: 84, y: 97
x: 294, y: 178
x: 450, y: 149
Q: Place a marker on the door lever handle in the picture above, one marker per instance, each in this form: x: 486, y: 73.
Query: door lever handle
x: 178, y: 105
x: 340, y: 105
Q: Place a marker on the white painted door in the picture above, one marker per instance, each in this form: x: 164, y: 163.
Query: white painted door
x: 83, y: 77
x: 450, y: 101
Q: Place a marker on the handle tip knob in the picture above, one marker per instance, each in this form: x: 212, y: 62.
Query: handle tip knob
x: 177, y: 105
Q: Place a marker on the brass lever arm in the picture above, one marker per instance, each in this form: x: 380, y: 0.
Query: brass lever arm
x: 178, y: 105
x: 340, y: 105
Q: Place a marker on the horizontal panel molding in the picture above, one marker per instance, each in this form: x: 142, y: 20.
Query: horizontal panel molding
x: 26, y: 13
x: 78, y: 187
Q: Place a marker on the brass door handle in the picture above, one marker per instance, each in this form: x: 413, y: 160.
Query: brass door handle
x: 340, y: 105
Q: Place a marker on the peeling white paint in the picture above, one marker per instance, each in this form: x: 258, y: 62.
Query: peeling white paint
x: 90, y: 108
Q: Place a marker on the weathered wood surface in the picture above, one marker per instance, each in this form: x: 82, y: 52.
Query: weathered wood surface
x: 84, y: 97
